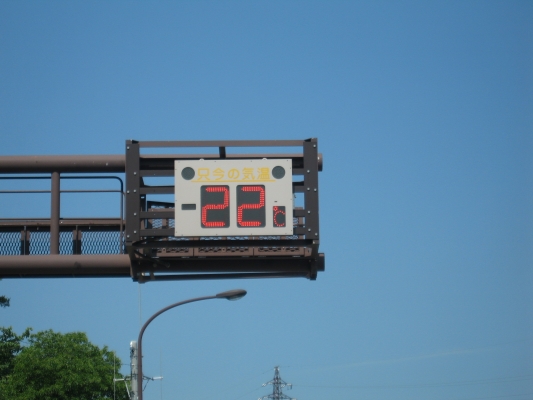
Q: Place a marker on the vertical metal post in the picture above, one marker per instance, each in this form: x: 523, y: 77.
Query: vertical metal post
x: 311, y: 201
x: 121, y: 229
x: 54, y: 214
x: 311, y: 188
x: 133, y: 200
x: 24, y: 242
x: 134, y: 370
x: 76, y: 241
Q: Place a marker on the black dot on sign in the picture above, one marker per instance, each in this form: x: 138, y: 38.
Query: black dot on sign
x: 187, y: 173
x: 278, y: 172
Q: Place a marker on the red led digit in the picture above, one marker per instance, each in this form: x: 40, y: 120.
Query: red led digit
x: 279, y: 216
x: 219, y: 209
x: 256, y: 210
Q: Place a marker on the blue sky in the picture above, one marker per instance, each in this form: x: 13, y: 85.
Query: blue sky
x: 424, y: 114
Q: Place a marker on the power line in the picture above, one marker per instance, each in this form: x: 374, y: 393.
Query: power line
x: 428, y: 385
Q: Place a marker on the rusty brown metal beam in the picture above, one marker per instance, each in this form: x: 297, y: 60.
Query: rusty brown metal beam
x: 113, y: 163
x: 75, y: 163
x: 119, y: 265
x: 112, y: 224
x: 220, y: 268
x: 54, y: 266
x: 220, y: 143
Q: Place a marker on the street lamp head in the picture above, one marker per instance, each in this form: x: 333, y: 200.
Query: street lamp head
x: 234, y: 294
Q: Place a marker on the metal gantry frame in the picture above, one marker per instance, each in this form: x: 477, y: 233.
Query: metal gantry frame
x: 227, y: 257
x: 152, y: 253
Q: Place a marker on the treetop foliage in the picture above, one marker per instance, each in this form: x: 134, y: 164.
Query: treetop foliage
x: 10, y: 347
x: 4, y: 301
x: 56, y: 366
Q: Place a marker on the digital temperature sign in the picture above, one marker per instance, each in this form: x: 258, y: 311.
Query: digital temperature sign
x: 233, y: 197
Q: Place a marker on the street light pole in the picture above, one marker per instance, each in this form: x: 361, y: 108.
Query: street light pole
x: 235, y: 294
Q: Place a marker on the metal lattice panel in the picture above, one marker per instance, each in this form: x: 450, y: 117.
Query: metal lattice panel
x: 65, y: 242
x: 9, y: 243
x: 160, y: 223
x: 103, y: 242
x: 39, y: 242
x: 155, y: 223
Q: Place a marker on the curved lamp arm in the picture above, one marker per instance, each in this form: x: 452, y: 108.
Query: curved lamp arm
x: 235, y: 294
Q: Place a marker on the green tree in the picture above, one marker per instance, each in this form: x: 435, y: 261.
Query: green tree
x: 10, y: 346
x: 4, y: 301
x: 57, y: 366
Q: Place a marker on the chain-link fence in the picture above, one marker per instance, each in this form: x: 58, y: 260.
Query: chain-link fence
x: 35, y: 241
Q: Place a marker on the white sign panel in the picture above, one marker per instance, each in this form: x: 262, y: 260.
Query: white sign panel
x: 233, y: 197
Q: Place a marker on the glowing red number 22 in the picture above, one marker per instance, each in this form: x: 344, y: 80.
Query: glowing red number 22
x: 215, y: 206
x: 251, y: 206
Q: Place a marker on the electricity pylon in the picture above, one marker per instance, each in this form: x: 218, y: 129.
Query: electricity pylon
x: 278, y: 385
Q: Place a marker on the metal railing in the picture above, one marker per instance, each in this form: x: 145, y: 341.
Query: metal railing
x: 73, y: 236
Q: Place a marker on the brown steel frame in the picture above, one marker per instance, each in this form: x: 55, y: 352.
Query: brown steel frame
x: 242, y: 260
x: 153, y: 254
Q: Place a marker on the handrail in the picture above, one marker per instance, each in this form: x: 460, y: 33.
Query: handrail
x: 121, y: 191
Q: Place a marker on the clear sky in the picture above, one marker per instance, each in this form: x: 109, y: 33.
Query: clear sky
x: 424, y: 113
